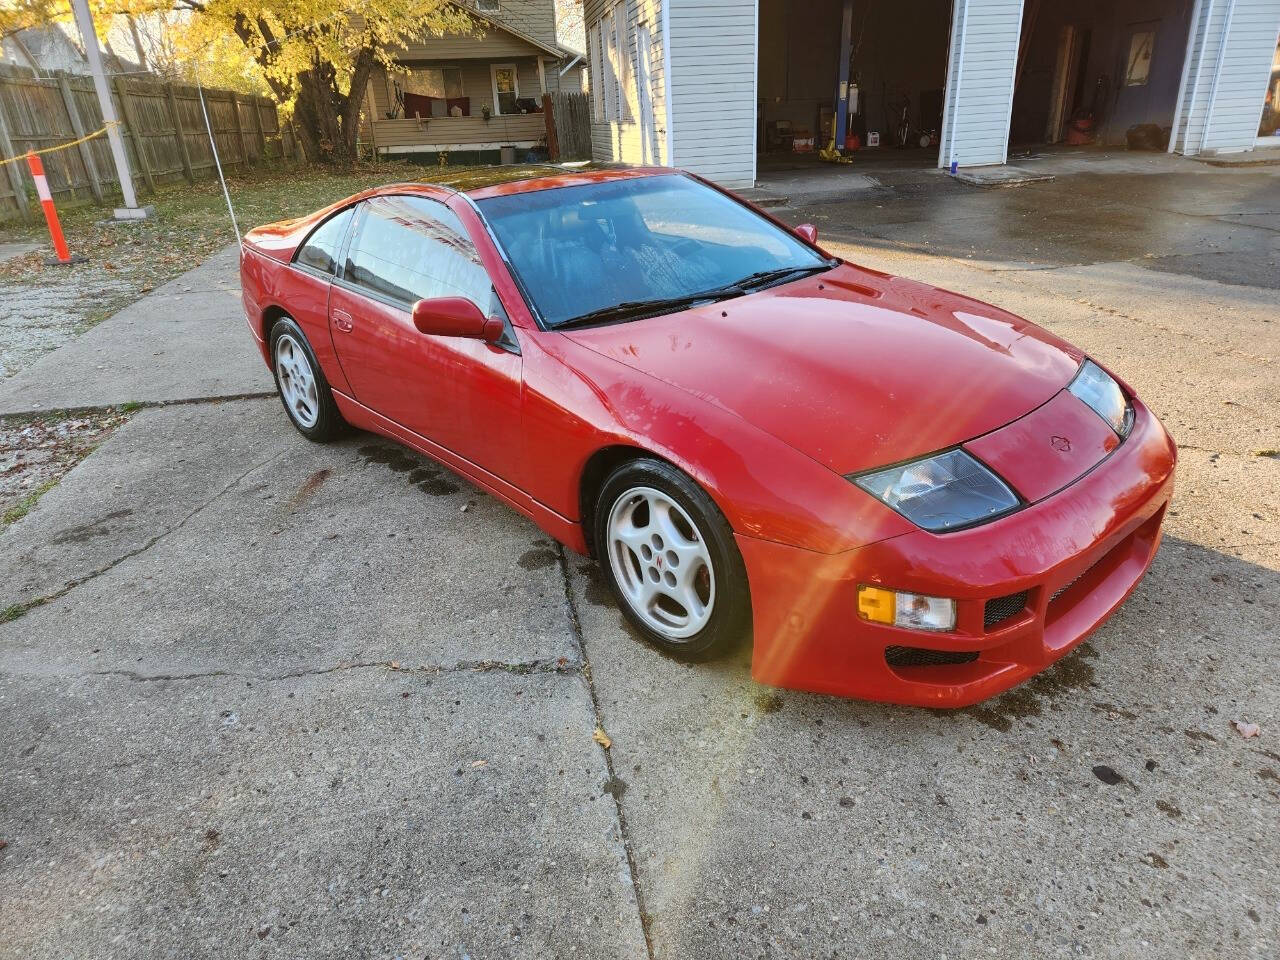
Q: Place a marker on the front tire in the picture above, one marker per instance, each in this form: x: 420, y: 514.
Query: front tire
x: 303, y: 389
x: 671, y: 560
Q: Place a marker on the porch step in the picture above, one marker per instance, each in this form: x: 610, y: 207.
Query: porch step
x: 1000, y: 175
x: 1266, y: 157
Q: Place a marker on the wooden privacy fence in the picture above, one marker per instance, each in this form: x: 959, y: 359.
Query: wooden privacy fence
x: 162, y: 125
x: 568, y: 118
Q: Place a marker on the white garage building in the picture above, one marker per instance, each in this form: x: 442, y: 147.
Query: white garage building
x: 711, y: 85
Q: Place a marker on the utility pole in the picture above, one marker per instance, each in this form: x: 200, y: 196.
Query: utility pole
x: 84, y: 20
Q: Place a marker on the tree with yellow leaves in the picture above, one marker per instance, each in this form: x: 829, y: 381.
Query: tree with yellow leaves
x: 321, y: 53
x: 317, y: 54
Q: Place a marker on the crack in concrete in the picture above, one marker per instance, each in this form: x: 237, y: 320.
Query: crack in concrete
x: 560, y: 665
x: 14, y: 611
x: 575, y: 628
x: 129, y: 406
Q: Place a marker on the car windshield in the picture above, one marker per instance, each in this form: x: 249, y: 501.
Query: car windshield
x: 640, y: 246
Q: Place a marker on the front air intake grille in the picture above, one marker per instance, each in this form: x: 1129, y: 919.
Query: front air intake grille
x: 1067, y: 586
x: 1000, y: 609
x: 920, y: 657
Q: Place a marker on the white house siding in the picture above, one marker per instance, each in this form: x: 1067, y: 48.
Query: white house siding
x: 979, y: 94
x: 568, y: 82
x: 1228, y: 65
x: 621, y: 141
x: 712, y: 69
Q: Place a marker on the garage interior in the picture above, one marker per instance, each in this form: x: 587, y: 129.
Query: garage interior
x: 1099, y: 72
x: 898, y: 61
x: 1092, y: 72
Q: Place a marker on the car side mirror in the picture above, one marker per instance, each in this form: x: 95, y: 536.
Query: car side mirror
x: 455, y: 317
x: 807, y: 232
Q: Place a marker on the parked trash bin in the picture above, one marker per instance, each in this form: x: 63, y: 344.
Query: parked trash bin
x: 508, y: 155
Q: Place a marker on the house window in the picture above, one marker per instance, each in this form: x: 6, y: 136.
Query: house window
x: 506, y: 88
x: 488, y: 6
x: 1139, y: 67
x: 441, y: 82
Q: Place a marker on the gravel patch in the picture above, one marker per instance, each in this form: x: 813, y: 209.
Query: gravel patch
x: 41, y: 316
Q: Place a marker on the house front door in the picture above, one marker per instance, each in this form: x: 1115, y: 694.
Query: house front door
x: 506, y: 88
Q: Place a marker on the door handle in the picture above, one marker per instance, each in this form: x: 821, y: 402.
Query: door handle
x: 342, y: 320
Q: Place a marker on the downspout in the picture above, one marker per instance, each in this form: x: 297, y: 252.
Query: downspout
x: 755, y: 91
x: 667, y: 91
x: 1217, y: 72
x: 1186, y: 71
x: 951, y: 144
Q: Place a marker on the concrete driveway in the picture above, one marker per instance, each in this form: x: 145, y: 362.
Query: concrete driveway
x: 264, y: 698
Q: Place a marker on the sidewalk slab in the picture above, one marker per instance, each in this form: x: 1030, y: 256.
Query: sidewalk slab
x: 221, y: 540
x: 366, y: 813
x: 185, y: 341
x: 10, y: 250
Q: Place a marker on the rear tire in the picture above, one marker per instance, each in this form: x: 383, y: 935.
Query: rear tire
x: 671, y: 561
x: 302, y: 386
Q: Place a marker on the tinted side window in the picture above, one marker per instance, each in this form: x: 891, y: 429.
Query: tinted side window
x: 412, y: 248
x: 321, y: 249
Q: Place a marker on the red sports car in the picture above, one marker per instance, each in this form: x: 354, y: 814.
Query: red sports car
x: 898, y: 492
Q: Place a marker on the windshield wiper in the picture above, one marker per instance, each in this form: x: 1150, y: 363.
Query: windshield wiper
x: 630, y: 309
x: 768, y: 278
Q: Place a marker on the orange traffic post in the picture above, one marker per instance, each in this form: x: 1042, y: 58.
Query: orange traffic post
x: 50, y: 212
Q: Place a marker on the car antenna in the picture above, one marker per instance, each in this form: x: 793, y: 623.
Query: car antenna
x: 213, y: 144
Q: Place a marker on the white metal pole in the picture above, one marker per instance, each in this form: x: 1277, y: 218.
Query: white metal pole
x: 92, y: 52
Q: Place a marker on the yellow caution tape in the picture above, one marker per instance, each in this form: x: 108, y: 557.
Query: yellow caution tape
x: 61, y: 146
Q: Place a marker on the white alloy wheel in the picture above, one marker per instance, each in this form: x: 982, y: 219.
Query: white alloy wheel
x: 661, y: 564
x: 297, y: 381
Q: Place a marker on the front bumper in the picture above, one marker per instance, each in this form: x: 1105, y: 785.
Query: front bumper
x: 1075, y: 555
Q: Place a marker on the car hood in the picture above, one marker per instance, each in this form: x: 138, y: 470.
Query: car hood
x: 854, y: 368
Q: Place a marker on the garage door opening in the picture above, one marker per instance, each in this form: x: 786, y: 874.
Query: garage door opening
x: 1099, y: 72
x: 897, y: 75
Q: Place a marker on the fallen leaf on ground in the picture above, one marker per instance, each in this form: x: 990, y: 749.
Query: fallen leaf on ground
x: 479, y: 763
x: 1247, y: 730
x: 602, y: 738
